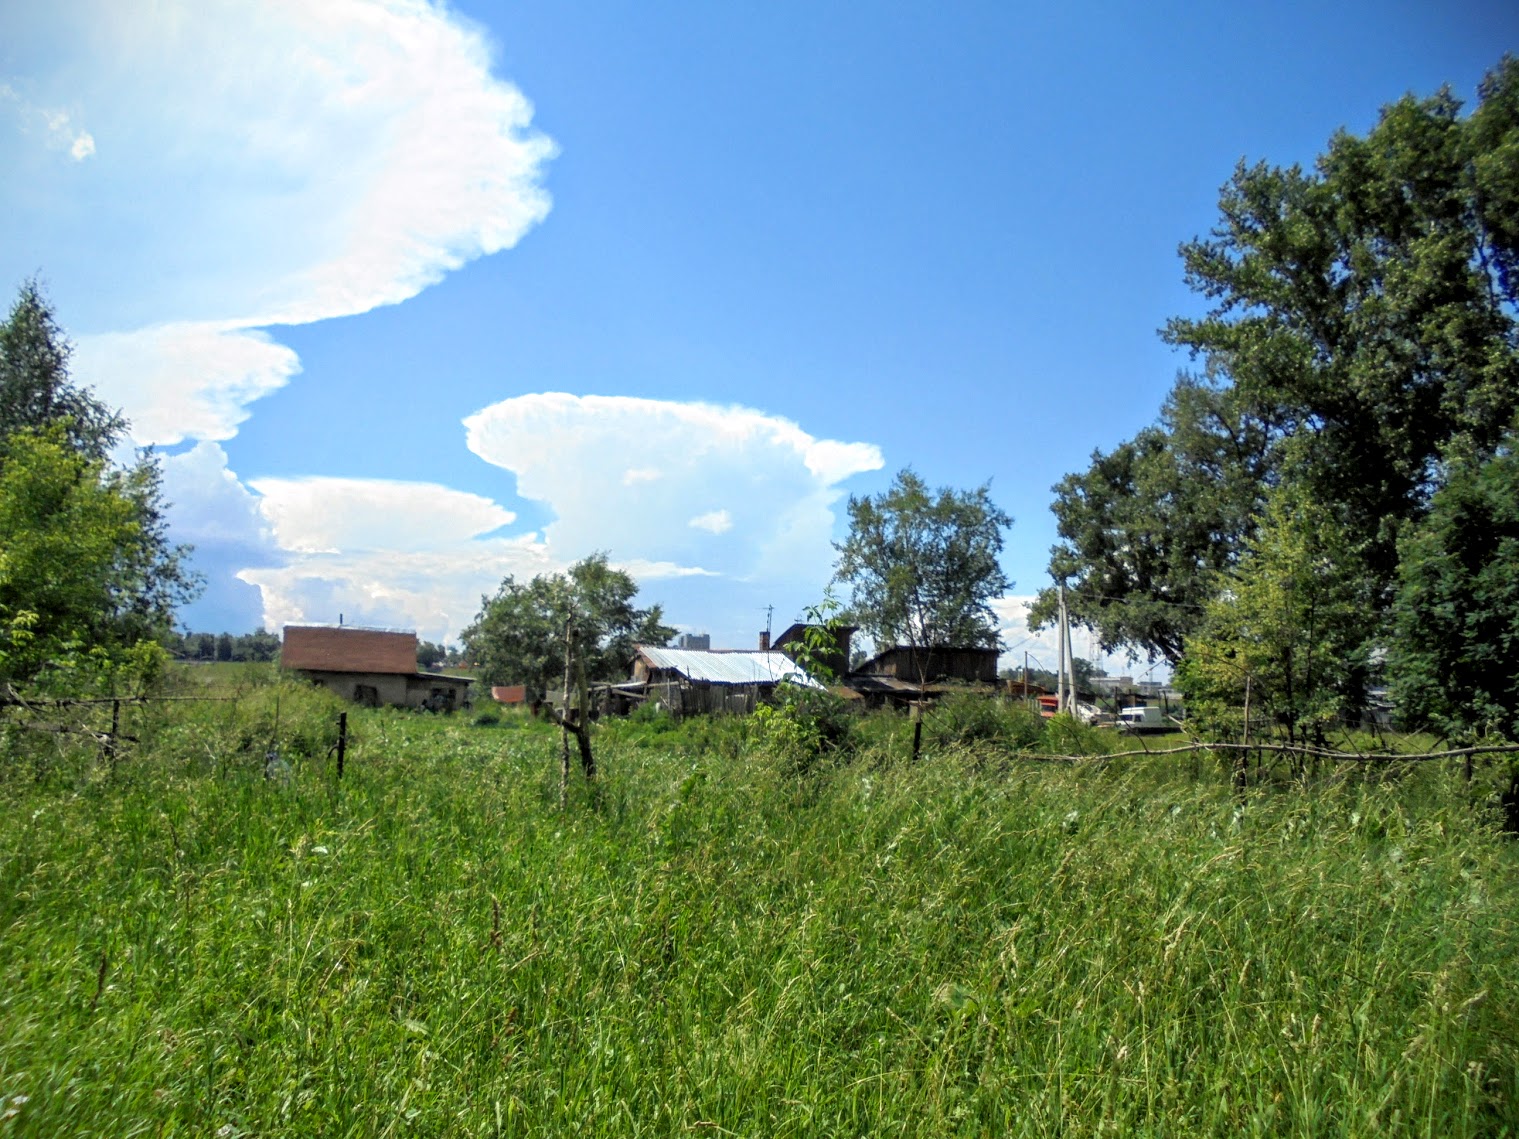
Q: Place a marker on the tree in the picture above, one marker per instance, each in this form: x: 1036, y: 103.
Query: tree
x: 1454, y: 666
x: 88, y: 578
x: 571, y: 628
x: 1286, y: 636
x: 430, y: 655
x: 1362, y: 335
x: 518, y: 637
x: 259, y: 645
x: 71, y: 535
x: 1149, y: 528
x: 35, y: 391
x: 922, y: 566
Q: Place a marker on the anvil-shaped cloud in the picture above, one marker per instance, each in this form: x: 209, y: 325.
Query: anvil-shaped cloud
x: 254, y: 165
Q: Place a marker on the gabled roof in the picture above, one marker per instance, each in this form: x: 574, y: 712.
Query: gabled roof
x: 349, y: 648
x: 738, y: 667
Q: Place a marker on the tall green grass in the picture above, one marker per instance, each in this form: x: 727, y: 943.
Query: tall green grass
x: 704, y: 945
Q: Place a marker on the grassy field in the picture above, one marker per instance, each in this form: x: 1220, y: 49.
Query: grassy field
x: 711, y: 945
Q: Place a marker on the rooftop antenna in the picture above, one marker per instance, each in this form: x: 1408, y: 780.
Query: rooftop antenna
x: 769, y: 612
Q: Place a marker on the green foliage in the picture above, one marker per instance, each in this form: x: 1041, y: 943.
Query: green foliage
x: 972, y: 721
x: 87, y: 576
x: 430, y: 655
x: 518, y: 637
x: 259, y: 645
x: 1362, y: 337
x: 922, y: 566
x: 1292, y: 621
x: 35, y: 391
x: 1455, y: 661
x: 431, y: 946
x: 1147, y: 531
x: 806, y: 729
x: 72, y: 545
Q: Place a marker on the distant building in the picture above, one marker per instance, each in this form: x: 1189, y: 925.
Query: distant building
x: 373, y: 667
x: 935, y: 663
x: 834, y: 657
x: 694, y: 642
x: 903, y: 673
x: 688, y: 681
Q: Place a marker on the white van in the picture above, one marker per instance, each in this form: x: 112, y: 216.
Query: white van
x: 1142, y: 718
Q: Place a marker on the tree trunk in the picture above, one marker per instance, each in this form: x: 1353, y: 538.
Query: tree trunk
x: 564, y: 727
x: 583, y: 722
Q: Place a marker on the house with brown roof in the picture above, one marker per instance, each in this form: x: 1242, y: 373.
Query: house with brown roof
x: 373, y: 667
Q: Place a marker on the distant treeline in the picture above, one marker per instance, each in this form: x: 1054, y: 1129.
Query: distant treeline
x: 263, y: 645
x: 258, y: 645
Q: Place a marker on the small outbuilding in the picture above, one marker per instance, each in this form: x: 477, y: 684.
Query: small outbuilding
x: 688, y: 680
x: 373, y: 667
x: 904, y: 674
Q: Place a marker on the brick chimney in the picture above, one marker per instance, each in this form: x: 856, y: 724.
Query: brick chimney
x: 764, y: 640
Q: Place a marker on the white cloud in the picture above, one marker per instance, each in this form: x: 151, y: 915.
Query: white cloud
x: 210, y: 507
x: 335, y: 515
x: 778, y: 483
x: 57, y: 125
x: 436, y: 592
x: 186, y: 380
x: 422, y: 555
x: 713, y: 522
x: 263, y: 164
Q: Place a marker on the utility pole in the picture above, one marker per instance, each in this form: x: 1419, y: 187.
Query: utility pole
x: 1060, y: 664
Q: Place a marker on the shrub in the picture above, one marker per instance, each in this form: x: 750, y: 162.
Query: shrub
x: 804, y: 727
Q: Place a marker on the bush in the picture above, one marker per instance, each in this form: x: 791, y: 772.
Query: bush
x: 804, y: 728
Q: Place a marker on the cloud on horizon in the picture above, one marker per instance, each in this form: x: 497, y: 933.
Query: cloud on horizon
x: 420, y: 554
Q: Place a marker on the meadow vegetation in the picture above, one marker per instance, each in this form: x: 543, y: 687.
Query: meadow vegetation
x: 709, y: 942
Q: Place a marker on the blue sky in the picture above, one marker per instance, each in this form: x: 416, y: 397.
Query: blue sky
x: 410, y: 297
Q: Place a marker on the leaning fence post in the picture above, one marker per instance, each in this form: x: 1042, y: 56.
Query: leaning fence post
x: 110, y: 745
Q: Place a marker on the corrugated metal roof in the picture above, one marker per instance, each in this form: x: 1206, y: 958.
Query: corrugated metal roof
x: 728, y: 668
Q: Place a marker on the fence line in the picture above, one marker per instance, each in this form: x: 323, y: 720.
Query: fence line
x: 1290, y: 749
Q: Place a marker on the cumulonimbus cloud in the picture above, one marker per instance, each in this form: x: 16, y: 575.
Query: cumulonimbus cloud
x: 735, y: 490
x: 266, y: 164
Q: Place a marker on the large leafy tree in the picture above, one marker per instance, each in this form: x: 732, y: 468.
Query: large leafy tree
x: 1362, y: 330
x: 1455, y: 659
x: 518, y: 637
x: 88, y: 577
x: 922, y: 565
x: 1149, y: 527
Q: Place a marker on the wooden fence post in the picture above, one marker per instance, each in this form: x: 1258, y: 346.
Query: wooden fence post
x: 342, y: 740
x: 110, y: 744
x: 1242, y: 767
